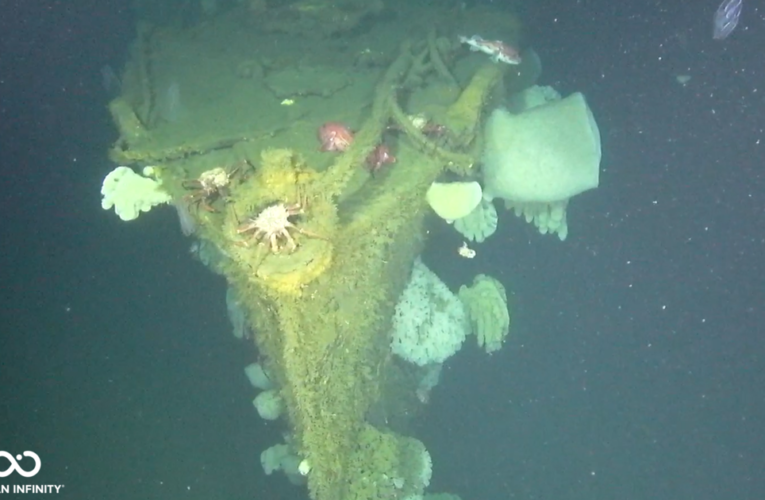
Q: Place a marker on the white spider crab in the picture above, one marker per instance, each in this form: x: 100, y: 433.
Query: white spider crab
x: 208, y: 187
x: 273, y: 224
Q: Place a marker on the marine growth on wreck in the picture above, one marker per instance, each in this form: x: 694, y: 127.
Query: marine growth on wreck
x: 307, y: 148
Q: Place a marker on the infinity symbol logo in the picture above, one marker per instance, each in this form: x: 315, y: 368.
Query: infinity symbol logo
x: 16, y: 467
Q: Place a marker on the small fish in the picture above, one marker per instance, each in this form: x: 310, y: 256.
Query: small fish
x: 110, y: 81
x: 683, y: 79
x: 498, y: 50
x: 726, y: 18
x: 466, y: 251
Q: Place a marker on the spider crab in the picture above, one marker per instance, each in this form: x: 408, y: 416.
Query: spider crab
x: 273, y: 225
x: 208, y: 187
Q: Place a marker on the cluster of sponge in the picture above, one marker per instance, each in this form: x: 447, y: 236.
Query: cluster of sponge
x: 270, y: 406
x: 269, y: 402
x: 281, y: 457
x: 430, y: 322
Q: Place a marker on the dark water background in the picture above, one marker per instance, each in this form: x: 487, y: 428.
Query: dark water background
x: 635, y: 366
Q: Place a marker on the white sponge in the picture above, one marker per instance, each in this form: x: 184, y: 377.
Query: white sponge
x: 271, y: 458
x: 130, y: 193
x: 430, y: 322
x: 453, y: 200
x: 269, y: 404
x: 538, y: 159
x: 546, y: 154
x: 258, y: 377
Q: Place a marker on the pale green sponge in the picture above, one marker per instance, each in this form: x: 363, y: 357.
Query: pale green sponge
x: 486, y: 302
x: 130, y: 193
